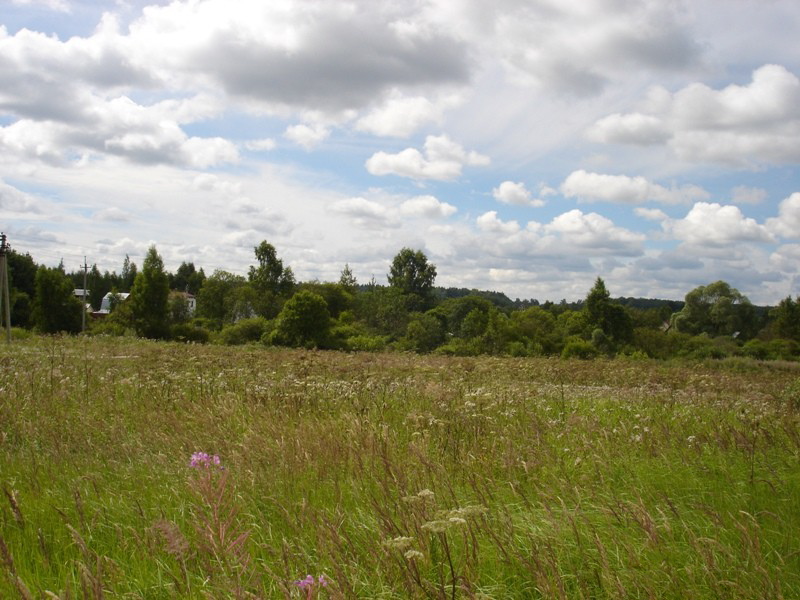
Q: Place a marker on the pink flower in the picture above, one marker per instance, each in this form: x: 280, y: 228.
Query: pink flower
x: 204, y: 460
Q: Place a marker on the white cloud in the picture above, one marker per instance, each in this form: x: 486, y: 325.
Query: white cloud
x: 400, y: 116
x: 711, y: 224
x: 786, y: 258
x: 264, y: 144
x: 629, y: 190
x: 365, y: 213
x: 209, y: 182
x: 329, y: 56
x: 743, y: 194
x: 13, y: 200
x: 307, y: 136
x: 489, y: 222
x: 579, y: 47
x: 371, y: 214
x: 510, y: 192
x: 591, y: 230
x: 651, y: 214
x: 57, y: 5
x: 743, y: 125
x: 443, y: 160
x: 787, y: 223
x: 112, y: 214
x: 635, y: 128
x: 427, y: 206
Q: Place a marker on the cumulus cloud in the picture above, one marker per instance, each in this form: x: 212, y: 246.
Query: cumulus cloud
x: 787, y: 223
x: 591, y: 230
x: 13, y: 200
x: 307, y: 136
x: 371, y: 214
x: 636, y: 128
x: 786, y: 258
x: 260, y: 145
x: 142, y: 134
x: 400, y: 116
x: 322, y: 55
x: 712, y: 224
x: 489, y: 221
x: 442, y: 160
x: 580, y: 47
x: 112, y: 214
x: 744, y: 125
x: 651, y: 214
x: 743, y: 194
x: 427, y: 206
x: 510, y: 192
x: 365, y: 213
x: 57, y: 5
x: 629, y: 190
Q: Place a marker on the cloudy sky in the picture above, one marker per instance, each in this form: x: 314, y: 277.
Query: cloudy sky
x: 526, y: 146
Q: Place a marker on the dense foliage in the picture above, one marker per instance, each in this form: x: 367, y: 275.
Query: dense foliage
x: 269, y: 306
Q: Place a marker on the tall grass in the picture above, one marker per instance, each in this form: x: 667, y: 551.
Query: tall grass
x: 392, y: 476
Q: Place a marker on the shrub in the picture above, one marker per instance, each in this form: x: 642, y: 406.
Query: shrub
x: 578, y: 348
x: 241, y: 332
x: 184, y: 332
x: 367, y: 343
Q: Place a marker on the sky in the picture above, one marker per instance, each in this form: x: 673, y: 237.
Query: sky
x: 525, y: 146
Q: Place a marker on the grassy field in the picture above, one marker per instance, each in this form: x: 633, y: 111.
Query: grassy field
x: 392, y: 475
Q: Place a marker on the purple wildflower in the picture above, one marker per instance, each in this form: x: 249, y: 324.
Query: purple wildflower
x: 305, y: 583
x: 204, y: 460
x: 309, y: 582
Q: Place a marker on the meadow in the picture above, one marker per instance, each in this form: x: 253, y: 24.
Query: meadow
x: 359, y: 475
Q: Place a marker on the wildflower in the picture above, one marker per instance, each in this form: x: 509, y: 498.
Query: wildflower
x: 438, y: 526
x: 204, y: 460
x: 305, y: 583
x: 309, y: 582
x: 413, y: 555
x: 399, y: 543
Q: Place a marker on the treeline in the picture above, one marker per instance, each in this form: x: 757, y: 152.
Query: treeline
x: 270, y: 307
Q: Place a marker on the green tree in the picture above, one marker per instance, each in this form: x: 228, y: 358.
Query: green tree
x: 149, y: 298
x: 413, y: 275
x: 424, y: 332
x: 55, y: 308
x: 187, y: 279
x: 271, y: 280
x: 786, y: 319
x: 218, y: 299
x: 303, y: 321
x: 128, y: 275
x: 22, y: 285
x: 537, y: 327
x: 611, y: 319
x: 716, y: 309
x: 347, y: 280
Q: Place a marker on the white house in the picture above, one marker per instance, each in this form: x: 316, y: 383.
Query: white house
x: 105, y: 304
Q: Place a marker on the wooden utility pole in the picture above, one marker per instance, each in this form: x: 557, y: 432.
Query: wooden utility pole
x: 83, y: 311
x: 5, y: 302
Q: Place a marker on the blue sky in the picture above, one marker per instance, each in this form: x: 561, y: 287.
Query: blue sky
x: 525, y: 146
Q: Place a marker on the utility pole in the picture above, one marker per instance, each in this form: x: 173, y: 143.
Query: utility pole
x: 5, y: 303
x: 83, y: 311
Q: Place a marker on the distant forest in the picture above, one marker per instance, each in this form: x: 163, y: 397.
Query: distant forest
x: 269, y: 306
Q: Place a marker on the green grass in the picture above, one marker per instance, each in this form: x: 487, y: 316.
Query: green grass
x: 545, y: 478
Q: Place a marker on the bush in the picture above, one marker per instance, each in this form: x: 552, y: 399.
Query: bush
x: 241, y: 332
x: 367, y: 343
x: 184, y: 332
x: 517, y: 349
x: 460, y: 347
x: 579, y: 349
